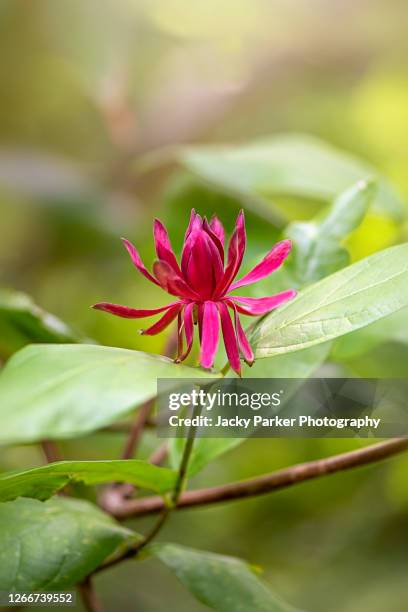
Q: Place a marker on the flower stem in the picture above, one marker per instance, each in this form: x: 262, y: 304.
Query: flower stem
x: 171, y: 505
x: 178, y: 487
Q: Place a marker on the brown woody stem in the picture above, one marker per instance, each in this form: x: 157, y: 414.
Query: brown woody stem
x: 136, y: 430
x: 51, y: 451
x: 89, y: 599
x: 267, y: 483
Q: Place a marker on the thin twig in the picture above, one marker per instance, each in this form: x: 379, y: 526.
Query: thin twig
x: 266, y: 483
x: 51, y: 451
x: 136, y: 429
x: 159, y: 455
x: 167, y: 509
x: 178, y: 487
x: 88, y: 596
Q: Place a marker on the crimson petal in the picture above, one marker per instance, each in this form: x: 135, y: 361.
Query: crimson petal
x: 210, y: 334
x: 171, y: 282
x: 218, y: 228
x: 269, y: 264
x: 243, y: 342
x: 137, y: 261
x: 194, y: 226
x: 188, y: 329
x: 236, y: 249
x: 230, y: 338
x: 204, y: 268
x: 130, y: 313
x: 260, y: 306
x: 193, y: 215
x: 163, y: 322
x: 214, y: 238
x: 164, y: 249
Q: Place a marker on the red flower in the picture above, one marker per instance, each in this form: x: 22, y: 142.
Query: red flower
x: 201, y: 284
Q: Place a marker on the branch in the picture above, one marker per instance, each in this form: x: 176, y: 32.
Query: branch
x: 51, y: 451
x: 89, y: 599
x: 137, y: 428
x: 266, y: 483
x: 160, y: 454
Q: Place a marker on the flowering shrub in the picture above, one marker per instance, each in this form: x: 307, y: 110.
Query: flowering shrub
x: 58, y: 385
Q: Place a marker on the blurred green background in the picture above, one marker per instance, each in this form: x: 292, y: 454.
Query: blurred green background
x: 92, y: 93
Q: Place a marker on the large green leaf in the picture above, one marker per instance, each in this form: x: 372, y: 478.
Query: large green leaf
x: 294, y: 165
x: 301, y: 364
x: 391, y: 329
x: 23, y: 322
x: 43, y: 482
x: 318, y: 249
x: 53, y: 545
x: 59, y: 391
x: 219, y: 582
x: 339, y: 304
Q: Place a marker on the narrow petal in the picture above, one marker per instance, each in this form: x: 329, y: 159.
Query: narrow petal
x: 195, y: 226
x: 215, y: 239
x: 210, y: 334
x: 204, y: 269
x: 217, y: 228
x: 137, y: 261
x: 164, y: 249
x: 172, y: 282
x: 190, y: 223
x: 230, y: 338
x: 243, y: 343
x: 260, y: 306
x: 130, y: 313
x: 188, y: 330
x: 163, y: 322
x: 236, y: 249
x: 269, y: 264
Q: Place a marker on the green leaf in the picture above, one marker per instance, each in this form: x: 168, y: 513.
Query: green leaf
x: 23, y: 322
x: 301, y: 364
x: 285, y: 165
x: 219, y: 582
x: 391, y: 329
x: 59, y: 391
x: 339, y: 304
x: 318, y: 249
x: 53, y: 545
x: 42, y: 482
